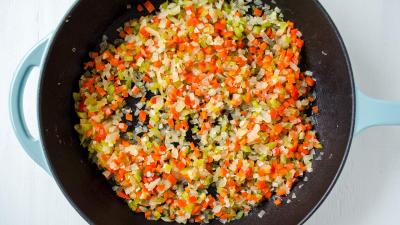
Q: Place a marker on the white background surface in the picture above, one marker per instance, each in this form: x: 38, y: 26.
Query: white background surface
x: 367, y: 191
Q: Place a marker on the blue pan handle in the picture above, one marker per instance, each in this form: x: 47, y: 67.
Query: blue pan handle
x: 31, y: 146
x: 373, y: 112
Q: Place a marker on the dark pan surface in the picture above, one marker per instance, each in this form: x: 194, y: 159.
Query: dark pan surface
x: 86, y: 188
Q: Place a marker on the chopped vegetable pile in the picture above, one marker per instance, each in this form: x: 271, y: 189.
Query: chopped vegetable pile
x: 199, y: 111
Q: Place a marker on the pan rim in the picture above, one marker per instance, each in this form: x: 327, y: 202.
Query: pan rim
x: 352, y: 125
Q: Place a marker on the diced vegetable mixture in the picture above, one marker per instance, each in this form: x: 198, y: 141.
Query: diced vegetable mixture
x: 198, y: 112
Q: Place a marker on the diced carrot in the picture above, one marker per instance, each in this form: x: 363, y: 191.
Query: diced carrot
x: 146, y: 78
x: 144, y: 32
x: 88, y: 65
x: 139, y: 8
x: 126, y: 143
x: 257, y: 12
x: 171, y: 179
x: 261, y: 185
x: 148, y: 214
x: 277, y: 201
x: 121, y: 67
x: 220, y: 26
x: 121, y: 194
x: 223, y: 172
x: 195, y: 211
x: 160, y: 187
x: 149, y: 6
x: 315, y: 109
x: 267, y: 194
x: 299, y: 43
x: 192, y: 199
x: 122, y: 127
x: 114, y: 62
x: 290, y: 24
x: 281, y: 191
x: 171, y: 122
x: 135, y: 90
x: 157, y: 63
x: 122, y: 34
x: 100, y: 91
x: 310, y: 82
x: 107, y: 54
x: 128, y: 30
x: 129, y: 117
x: 130, y: 46
x: 142, y: 116
x: 180, y: 165
x: 100, y: 66
x: 181, y: 203
x: 93, y: 54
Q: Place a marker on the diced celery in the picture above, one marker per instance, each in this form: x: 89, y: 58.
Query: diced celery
x: 283, y: 25
x: 204, y: 14
x: 239, y: 214
x: 155, y: 132
x: 90, y: 101
x: 227, y: 7
x: 255, y: 104
x: 284, y: 41
x: 245, y: 148
x: 156, y: 215
x: 167, y: 168
x: 133, y: 205
x: 164, y: 35
x: 266, y: 25
x: 144, y: 67
x: 91, y: 149
x: 283, y: 159
x: 76, y: 96
x: 154, y: 119
x: 128, y: 58
x: 256, y: 29
x: 190, y: 30
x: 203, y: 44
x: 110, y: 89
x: 318, y: 145
x: 82, y: 115
x: 188, y: 208
x: 185, y: 171
x: 208, y: 180
x: 138, y: 175
x: 92, y: 108
x: 185, y: 195
x: 202, y: 196
x: 86, y: 126
x: 120, y: 75
x: 164, y: 5
x: 287, y: 125
x: 273, y: 103
x: 238, y: 31
x: 271, y: 145
x: 272, y: 16
x: 130, y: 135
x: 199, y: 163
x: 128, y: 84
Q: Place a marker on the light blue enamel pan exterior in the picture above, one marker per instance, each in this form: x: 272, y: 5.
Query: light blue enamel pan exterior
x: 31, y: 146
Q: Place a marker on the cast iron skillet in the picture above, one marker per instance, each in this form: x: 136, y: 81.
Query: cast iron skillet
x: 85, y: 187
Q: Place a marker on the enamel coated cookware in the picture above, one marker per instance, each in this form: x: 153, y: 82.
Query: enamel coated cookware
x: 344, y: 110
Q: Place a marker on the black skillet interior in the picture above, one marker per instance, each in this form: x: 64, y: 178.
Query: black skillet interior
x: 85, y: 187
